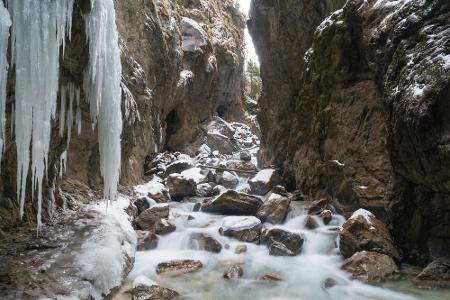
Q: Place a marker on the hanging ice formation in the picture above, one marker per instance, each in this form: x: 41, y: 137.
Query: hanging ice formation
x: 5, y: 23
x: 38, y: 31
x: 102, y: 89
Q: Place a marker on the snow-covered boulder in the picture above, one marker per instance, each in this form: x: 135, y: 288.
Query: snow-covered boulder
x: 264, y: 181
x: 193, y: 35
x: 180, y: 186
x: 233, y: 203
x: 363, y: 231
x: 246, y: 229
x: 178, y: 166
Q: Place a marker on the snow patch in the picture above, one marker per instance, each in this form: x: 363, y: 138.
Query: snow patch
x: 153, y: 187
x: 263, y: 176
x: 194, y: 174
x: 239, y: 223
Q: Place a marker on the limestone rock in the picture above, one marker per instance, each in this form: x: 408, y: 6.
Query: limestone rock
x: 147, y: 240
x: 240, y: 249
x: 193, y: 35
x: 178, y: 267
x: 363, y: 231
x: 228, y: 180
x: 180, y: 187
x: 203, y: 241
x: 274, y: 209
x: 178, y: 166
x: 245, y: 229
x: 233, y: 272
x: 233, y: 203
x: 371, y: 267
x: 282, y: 242
x: 154, y: 292
x: 264, y: 181
x: 437, y: 272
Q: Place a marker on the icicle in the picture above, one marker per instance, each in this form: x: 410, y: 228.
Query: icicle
x: 5, y: 23
x: 70, y: 112
x: 62, y: 110
x: 38, y: 31
x: 78, y: 113
x: 62, y: 163
x: 51, y: 200
x: 102, y: 89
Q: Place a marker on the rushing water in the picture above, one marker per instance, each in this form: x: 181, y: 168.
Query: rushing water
x: 303, y: 276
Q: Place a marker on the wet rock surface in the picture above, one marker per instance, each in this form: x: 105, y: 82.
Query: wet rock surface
x: 233, y: 272
x: 233, y: 203
x: 154, y: 292
x: 264, y: 181
x: 202, y: 241
x: 180, y: 186
x: 437, y: 272
x: 371, y: 267
x: 282, y: 242
x: 274, y: 209
x: 363, y: 231
x: 178, y: 267
x: 245, y: 229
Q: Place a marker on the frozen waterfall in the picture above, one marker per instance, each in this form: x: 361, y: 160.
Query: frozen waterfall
x: 38, y: 32
x: 103, y: 91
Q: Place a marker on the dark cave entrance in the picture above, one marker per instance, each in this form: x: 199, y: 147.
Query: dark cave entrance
x: 222, y: 111
x: 172, y: 123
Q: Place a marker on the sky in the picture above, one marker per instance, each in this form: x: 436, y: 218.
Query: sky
x: 250, y: 49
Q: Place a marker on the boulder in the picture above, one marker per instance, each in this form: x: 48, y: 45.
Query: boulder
x: 141, y: 204
x: 318, y: 206
x: 178, y: 166
x: 240, y: 249
x: 438, y: 271
x: 160, y: 196
x: 371, y: 267
x: 147, y: 219
x: 363, y: 231
x: 233, y: 272
x: 246, y: 229
x: 271, y: 277
x: 205, y: 190
x: 245, y: 156
x: 180, y: 187
x: 282, y: 242
x: 326, y: 216
x: 264, y: 181
x: 233, y: 203
x: 311, y: 223
x: 228, y: 180
x: 280, y: 190
x: 197, y: 207
x: 193, y: 35
x: 147, y: 240
x: 203, y: 241
x: 165, y: 227
x: 274, y: 209
x: 154, y: 292
x: 220, y: 143
x: 178, y: 267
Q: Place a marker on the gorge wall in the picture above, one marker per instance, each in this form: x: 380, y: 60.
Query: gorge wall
x: 182, y: 62
x: 361, y: 99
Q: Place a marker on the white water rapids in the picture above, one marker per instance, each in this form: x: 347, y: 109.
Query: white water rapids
x: 303, y: 275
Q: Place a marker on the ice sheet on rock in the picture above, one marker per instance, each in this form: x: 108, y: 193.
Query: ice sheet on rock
x: 367, y: 215
x: 194, y: 174
x: 154, y: 186
x: 104, y: 256
x: 185, y: 78
x: 239, y: 223
x: 39, y: 29
x: 102, y: 89
x: 143, y: 281
x: 263, y: 176
x: 5, y: 24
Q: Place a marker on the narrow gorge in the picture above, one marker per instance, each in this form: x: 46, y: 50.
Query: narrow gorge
x: 225, y: 149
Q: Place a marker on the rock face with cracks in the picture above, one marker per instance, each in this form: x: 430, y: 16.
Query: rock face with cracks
x: 363, y: 104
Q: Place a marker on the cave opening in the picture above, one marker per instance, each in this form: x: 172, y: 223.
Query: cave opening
x: 172, y: 121
x: 221, y: 111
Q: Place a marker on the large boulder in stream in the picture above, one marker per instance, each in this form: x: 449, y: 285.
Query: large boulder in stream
x: 363, y: 231
x: 245, y: 229
x: 233, y: 203
x: 178, y: 267
x: 228, y: 180
x: 274, y: 209
x: 264, y: 181
x: 371, y: 267
x: 180, y: 186
x: 155, y: 220
x: 437, y: 272
x: 154, y: 292
x: 282, y: 242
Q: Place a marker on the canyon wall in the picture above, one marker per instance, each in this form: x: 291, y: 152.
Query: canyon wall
x: 362, y: 101
x: 182, y: 62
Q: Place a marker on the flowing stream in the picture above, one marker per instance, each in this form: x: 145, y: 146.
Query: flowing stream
x: 303, y: 276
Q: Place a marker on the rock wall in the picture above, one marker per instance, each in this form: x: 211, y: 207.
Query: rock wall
x: 363, y: 108
x: 182, y: 63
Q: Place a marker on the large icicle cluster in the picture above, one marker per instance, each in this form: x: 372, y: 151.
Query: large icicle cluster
x: 102, y: 89
x: 38, y: 31
x: 5, y: 23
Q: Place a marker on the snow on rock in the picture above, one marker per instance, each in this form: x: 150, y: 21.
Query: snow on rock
x: 5, y: 23
x: 263, y: 175
x: 367, y: 215
x: 264, y: 181
x: 194, y: 174
x: 107, y: 256
x: 186, y: 77
x: 193, y: 35
x: 239, y: 223
x: 143, y: 281
x: 153, y: 187
x: 39, y: 29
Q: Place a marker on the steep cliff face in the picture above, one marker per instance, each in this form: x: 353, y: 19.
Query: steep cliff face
x: 368, y: 122
x: 182, y: 62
